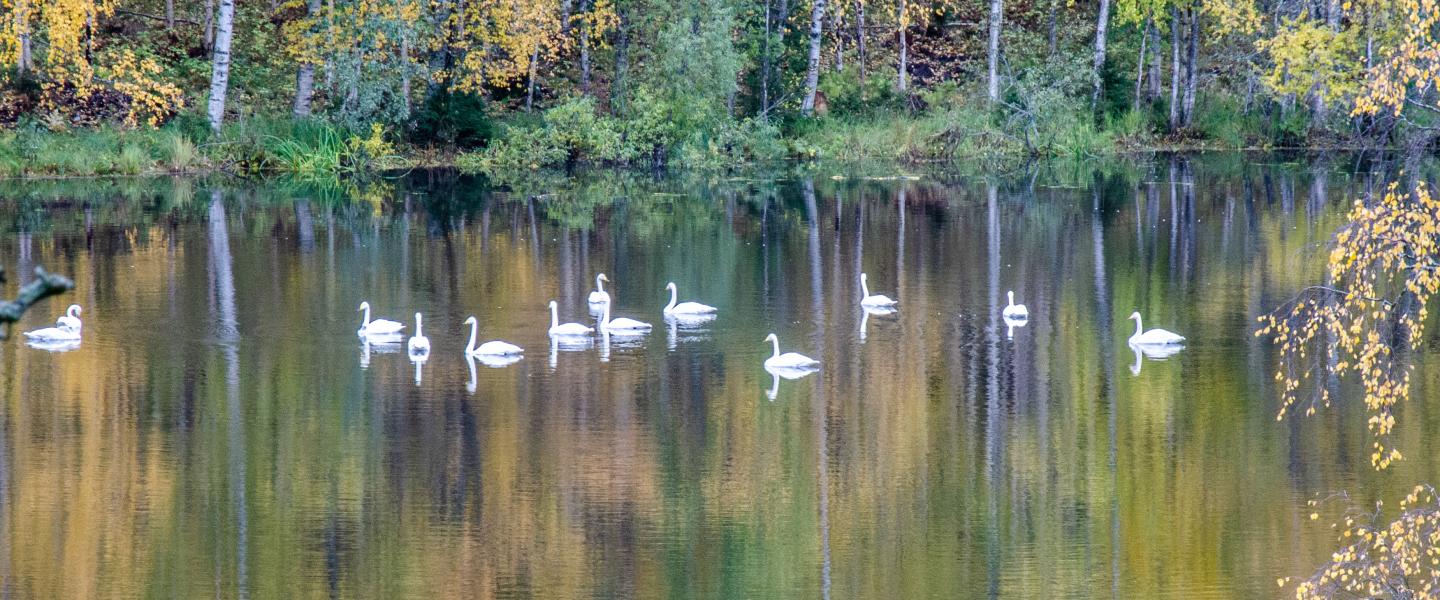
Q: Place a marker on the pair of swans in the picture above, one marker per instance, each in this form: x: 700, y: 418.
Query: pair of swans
x: 65, y: 335
x: 674, y: 308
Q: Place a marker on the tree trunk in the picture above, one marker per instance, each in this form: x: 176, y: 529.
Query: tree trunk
x: 305, y: 74
x: 1175, y: 26
x: 530, y: 85
x: 405, y: 73
x: 997, y: 13
x: 812, y: 71
x: 622, y: 63
x: 209, y: 25
x: 835, y: 25
x: 1140, y: 67
x: 1157, y: 62
x: 220, y: 63
x: 902, y: 74
x: 1050, y: 37
x: 22, y: 36
x: 765, y: 63
x: 584, y: 54
x: 169, y: 14
x: 1097, y: 76
x: 1192, y: 75
x: 859, y: 41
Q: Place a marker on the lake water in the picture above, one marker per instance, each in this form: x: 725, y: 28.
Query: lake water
x: 221, y: 432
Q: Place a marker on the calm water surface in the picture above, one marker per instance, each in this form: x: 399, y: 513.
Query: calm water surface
x: 222, y: 433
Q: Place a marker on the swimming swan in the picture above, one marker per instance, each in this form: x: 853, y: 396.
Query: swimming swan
x: 1014, y: 311
x: 788, y: 360
x: 493, y: 348
x: 378, y: 327
x: 71, y: 320
x: 877, y: 300
x: 54, y: 334
x: 599, y: 296
x: 1154, y: 337
x: 685, y: 308
x: 419, y: 344
x: 567, y: 329
x: 622, y: 326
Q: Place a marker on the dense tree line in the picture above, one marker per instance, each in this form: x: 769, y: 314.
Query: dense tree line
x: 667, y: 69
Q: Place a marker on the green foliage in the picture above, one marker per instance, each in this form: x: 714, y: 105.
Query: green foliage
x: 454, y: 119
x: 847, y: 96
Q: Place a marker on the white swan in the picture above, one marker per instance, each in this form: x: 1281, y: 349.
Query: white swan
x: 54, y: 334
x: 877, y: 300
x: 491, y: 348
x: 599, y: 296
x: 1154, y: 337
x: 1014, y: 311
x: 419, y: 344
x: 685, y: 308
x: 789, y: 360
x: 71, y: 320
x: 621, y: 326
x: 566, y: 329
x: 378, y: 327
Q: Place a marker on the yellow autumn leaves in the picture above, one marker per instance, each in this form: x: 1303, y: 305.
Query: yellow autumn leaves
x: 1382, y: 274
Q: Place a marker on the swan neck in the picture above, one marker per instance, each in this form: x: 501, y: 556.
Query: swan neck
x: 864, y: 289
x: 366, y: 323
x: 1139, y: 328
x: 419, y: 326
x: 605, y: 319
x: 671, y: 306
x: 554, y: 316
x: 470, y: 347
x: 776, y: 342
x: 1010, y: 298
x: 599, y: 284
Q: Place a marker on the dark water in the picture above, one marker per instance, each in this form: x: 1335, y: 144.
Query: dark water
x: 221, y: 432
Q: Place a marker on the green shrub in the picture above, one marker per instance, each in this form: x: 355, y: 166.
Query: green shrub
x: 132, y: 160
x: 453, y: 119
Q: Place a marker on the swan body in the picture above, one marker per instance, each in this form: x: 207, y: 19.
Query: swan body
x: 54, y: 346
x: 1014, y: 311
x: 622, y: 325
x: 54, y: 334
x: 419, y: 344
x: 492, y: 348
x: 378, y: 327
x: 599, y: 296
x: 1154, y: 337
x: 788, y: 360
x: 877, y: 300
x: 685, y: 308
x: 71, y: 320
x: 559, y: 329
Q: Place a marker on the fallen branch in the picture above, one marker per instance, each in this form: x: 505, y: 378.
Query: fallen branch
x: 46, y: 284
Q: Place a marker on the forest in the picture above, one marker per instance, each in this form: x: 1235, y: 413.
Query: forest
x: 329, y: 87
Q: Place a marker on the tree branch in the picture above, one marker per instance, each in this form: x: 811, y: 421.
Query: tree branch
x: 46, y: 284
x: 121, y: 11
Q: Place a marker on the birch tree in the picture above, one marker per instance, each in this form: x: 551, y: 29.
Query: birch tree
x: 220, y: 63
x: 812, y: 71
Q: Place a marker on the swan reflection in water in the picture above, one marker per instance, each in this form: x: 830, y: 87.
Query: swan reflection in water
x: 692, y: 326
x: 1012, y: 322
x: 1152, y: 353
x: 567, y: 344
x: 54, y: 346
x: 776, y: 373
x: 866, y: 311
x: 418, y: 357
x: 379, y: 344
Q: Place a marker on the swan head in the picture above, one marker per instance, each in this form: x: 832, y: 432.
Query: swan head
x: 363, y: 306
x: 771, y: 338
x: 1135, y: 315
x: 670, y: 286
x: 554, y: 305
x: 470, y: 321
x: 1010, y: 295
x: 862, y: 277
x: 74, y: 308
x: 417, y: 317
x: 602, y: 277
